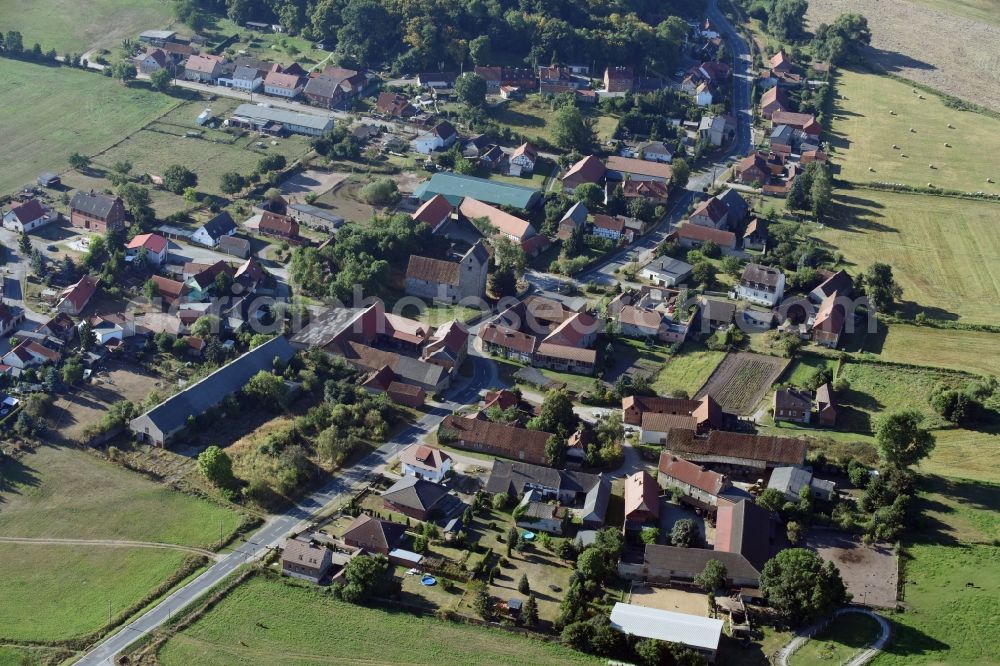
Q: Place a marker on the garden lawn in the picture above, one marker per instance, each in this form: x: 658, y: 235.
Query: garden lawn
x: 50, y: 112
x: 533, y: 117
x: 267, y: 621
x: 805, y: 365
x: 72, y: 25
x: 68, y: 494
x: 972, y: 351
x: 57, y: 592
x: 844, y: 636
x: 943, y: 251
x: 864, y: 132
x: 688, y: 370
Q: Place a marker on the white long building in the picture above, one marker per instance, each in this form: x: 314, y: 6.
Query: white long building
x: 271, y: 119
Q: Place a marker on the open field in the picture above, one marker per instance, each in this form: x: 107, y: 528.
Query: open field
x: 981, y: 10
x: 742, y: 379
x: 972, y: 351
x: 965, y: 454
x: 844, y: 636
x: 57, y: 592
x: 71, y: 25
x: 265, y: 621
x: 38, y: 128
x: 930, y: 242
x: 950, y: 53
x: 687, y: 371
x: 864, y: 133
x: 64, y: 493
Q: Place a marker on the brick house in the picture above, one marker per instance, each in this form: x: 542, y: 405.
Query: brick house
x: 305, y: 560
x: 96, y: 212
x: 494, y: 438
x: 618, y: 79
x: 793, y: 405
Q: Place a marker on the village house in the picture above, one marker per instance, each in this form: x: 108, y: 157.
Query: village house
x: 790, y: 481
x: 75, y: 297
x: 540, y: 516
x: 235, y: 246
x: 710, y: 213
x: 171, y: 292
x: 152, y: 246
x: 557, y: 79
x: 447, y: 347
x: 60, y: 327
x: 827, y: 325
x: 792, y: 404
x: 203, y: 68
x: 209, y: 233
x: 805, y: 122
x: 414, y: 497
x: 693, y: 235
x: 441, y: 137
x: 373, y: 535
x: 522, y: 160
x: 651, y: 151
x: 333, y: 86
x: 313, y: 216
x: 609, y: 227
x: 514, y: 77
x: 773, y: 100
x: 587, y: 495
x: 834, y: 283
x: 736, y: 451
x: 152, y: 60
x: 449, y: 281
x: 495, y: 439
x: 588, y: 170
x: 763, y: 285
x: 96, y: 212
x: 627, y: 168
x: 618, y: 79
x: 280, y: 226
x: 826, y: 405
x: 752, y: 170
x: 246, y: 78
x: 518, y: 230
x: 305, y: 560
x: 282, y: 84
x: 161, y: 423
x: 666, y: 271
x: 755, y: 236
x: 394, y: 105
x: 27, y: 216
x: 701, y: 487
x: 11, y: 317
x: 157, y: 37
x: 642, y: 500
x: 665, y: 565
x: 30, y: 353
x: 652, y: 191
x: 574, y: 218
x: 426, y: 462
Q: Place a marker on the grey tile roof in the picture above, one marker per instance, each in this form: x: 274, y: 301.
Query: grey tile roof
x: 96, y: 205
x: 220, y: 225
x: 416, y: 493
x: 171, y: 414
x: 512, y: 477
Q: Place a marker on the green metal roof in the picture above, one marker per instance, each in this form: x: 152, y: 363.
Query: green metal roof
x: 455, y: 187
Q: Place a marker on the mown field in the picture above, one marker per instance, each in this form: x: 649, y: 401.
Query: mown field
x: 56, y: 592
x: 864, y: 132
x: 71, y: 25
x: 943, y: 251
x: 50, y: 112
x: 843, y: 637
x: 687, y: 371
x: 972, y: 351
x: 980, y: 10
x: 265, y: 621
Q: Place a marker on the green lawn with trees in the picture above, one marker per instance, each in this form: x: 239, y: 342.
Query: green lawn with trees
x: 838, y: 641
x: 266, y: 620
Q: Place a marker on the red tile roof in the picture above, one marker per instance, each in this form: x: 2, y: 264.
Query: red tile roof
x: 696, y: 232
x: 80, y: 293
x: 433, y: 211
x: 428, y: 269
x: 29, y: 211
x: 154, y: 243
x: 590, y: 169
x: 641, y: 494
x: 691, y: 474
x: 510, y: 440
x: 639, y: 167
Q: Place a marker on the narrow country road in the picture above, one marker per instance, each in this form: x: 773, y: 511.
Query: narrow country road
x: 297, y: 518
x: 859, y: 659
x: 110, y: 543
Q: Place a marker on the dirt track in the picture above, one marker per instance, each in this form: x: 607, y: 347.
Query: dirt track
x: 953, y: 54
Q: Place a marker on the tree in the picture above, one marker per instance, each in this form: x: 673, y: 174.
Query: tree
x: 555, y: 451
x: 161, y: 80
x: 124, y: 71
x: 191, y: 195
x: 731, y: 265
x: 24, y: 243
x: 480, y: 50
x: 566, y: 550
x: 522, y: 585
x: 684, y: 533
x: 53, y: 380
x: 270, y: 163
x: 178, y: 178
x: 556, y: 415
x: 216, y: 466
x: 577, y: 636
x: 266, y: 389
x: 570, y: 130
x: 649, y: 535
x: 652, y: 652
x: 955, y: 406
x: 205, y: 326
x: 72, y: 372
x: 481, y: 601
x: 680, y: 172
x: 382, y: 192
x: 771, y: 500
x: 508, y: 255
x: 820, y: 192
x: 13, y: 42
x: 530, y: 611
x: 640, y: 208
x: 902, y: 440
x: 793, y: 530
x: 78, y: 161
x: 471, y: 89
x: 231, y: 182
x: 363, y: 573
x: 712, y: 577
x: 576, y: 244
x: 593, y: 564
x: 801, y: 587
x: 703, y: 272
x: 86, y: 336
x: 786, y: 18
x: 880, y: 286
x: 591, y: 194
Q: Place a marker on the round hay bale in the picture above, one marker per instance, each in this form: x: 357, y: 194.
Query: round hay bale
x: 950, y: 126
x: 895, y: 147
x: 989, y: 180
x: 947, y: 145
x: 930, y: 166
x: 871, y: 169
x: 913, y: 130
x: 930, y: 184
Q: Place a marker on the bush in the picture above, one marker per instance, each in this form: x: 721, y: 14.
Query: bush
x: 382, y: 192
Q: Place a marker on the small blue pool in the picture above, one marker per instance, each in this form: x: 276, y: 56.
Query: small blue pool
x: 428, y: 581
x: 529, y: 536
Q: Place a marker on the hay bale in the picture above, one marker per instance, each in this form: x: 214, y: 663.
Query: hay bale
x: 895, y: 147
x: 930, y: 184
x: 950, y: 126
x: 913, y: 130
x: 871, y: 169
x: 947, y: 145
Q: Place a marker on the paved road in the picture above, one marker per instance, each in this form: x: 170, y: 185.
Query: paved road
x: 859, y: 659
x: 295, y: 519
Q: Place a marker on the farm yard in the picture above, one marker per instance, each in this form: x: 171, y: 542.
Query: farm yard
x: 925, y: 130
x: 301, y: 623
x: 869, y: 571
x: 742, y: 380
x: 928, y: 44
x: 63, y: 493
x: 943, y: 250
x: 71, y: 25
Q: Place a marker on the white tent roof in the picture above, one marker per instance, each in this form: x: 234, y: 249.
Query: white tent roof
x: 692, y: 630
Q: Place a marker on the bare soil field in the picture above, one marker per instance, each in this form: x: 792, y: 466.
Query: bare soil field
x: 741, y: 380
x: 669, y: 599
x: 869, y: 572
x: 954, y: 54
x: 311, y: 181
x: 84, y: 406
